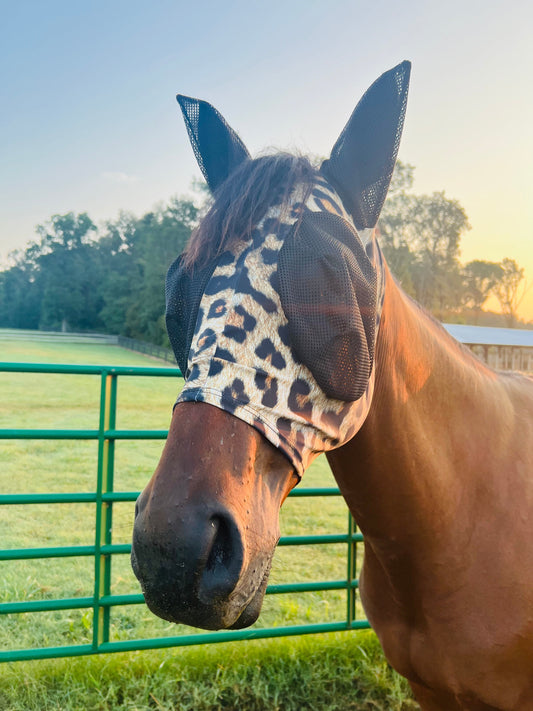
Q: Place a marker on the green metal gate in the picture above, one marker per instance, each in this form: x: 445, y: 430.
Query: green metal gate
x: 103, y: 550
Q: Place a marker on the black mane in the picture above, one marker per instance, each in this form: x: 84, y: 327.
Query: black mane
x: 242, y: 201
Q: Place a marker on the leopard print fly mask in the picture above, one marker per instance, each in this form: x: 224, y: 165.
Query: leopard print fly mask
x: 280, y: 328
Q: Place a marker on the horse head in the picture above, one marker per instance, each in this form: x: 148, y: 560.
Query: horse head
x: 273, y: 313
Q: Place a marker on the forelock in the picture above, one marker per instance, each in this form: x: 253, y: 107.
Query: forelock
x: 243, y: 200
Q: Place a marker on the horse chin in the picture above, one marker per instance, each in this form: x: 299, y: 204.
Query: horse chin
x: 233, y: 613
x: 252, y: 610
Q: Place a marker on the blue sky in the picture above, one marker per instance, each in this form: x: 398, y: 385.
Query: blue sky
x: 89, y: 120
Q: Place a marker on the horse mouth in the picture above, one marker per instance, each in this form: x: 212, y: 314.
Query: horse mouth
x: 252, y: 610
x: 237, y: 611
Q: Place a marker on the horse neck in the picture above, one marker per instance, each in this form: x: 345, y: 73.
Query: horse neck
x: 399, y: 474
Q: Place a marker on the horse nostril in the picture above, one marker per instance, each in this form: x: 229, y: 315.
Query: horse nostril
x: 224, y: 561
x: 221, y: 548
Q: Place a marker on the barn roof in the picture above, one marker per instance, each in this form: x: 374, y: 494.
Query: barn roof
x: 483, y: 335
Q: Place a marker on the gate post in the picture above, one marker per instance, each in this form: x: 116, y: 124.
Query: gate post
x: 351, y: 573
x: 104, y: 509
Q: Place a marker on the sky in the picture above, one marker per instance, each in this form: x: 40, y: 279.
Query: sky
x: 89, y: 121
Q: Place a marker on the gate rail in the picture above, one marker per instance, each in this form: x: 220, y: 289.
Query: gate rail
x: 103, y: 549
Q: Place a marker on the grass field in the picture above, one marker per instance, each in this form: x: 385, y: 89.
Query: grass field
x: 62, y: 401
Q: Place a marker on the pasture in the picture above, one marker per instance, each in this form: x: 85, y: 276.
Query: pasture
x: 62, y: 401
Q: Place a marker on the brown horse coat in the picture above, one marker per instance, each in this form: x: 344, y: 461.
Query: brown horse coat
x: 440, y: 481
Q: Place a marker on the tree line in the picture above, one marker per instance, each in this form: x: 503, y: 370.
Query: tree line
x: 79, y: 278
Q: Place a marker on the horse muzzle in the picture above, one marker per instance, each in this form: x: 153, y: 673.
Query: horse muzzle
x: 193, y: 567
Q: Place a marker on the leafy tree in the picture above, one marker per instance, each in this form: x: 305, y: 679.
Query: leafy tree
x: 480, y: 278
x: 509, y: 289
x: 402, y: 178
x: 69, y: 271
x: 136, y: 254
x: 121, y: 273
x: 20, y: 295
x: 160, y: 237
x: 420, y: 235
x: 69, y: 279
x: 69, y: 231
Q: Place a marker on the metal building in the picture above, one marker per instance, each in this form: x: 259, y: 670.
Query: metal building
x: 501, y: 348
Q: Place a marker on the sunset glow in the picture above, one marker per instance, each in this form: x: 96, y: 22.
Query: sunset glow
x: 90, y: 124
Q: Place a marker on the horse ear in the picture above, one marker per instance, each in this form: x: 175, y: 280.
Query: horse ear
x: 216, y: 146
x: 362, y: 160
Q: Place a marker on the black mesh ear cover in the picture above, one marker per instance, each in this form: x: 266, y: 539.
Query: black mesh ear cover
x: 362, y: 160
x: 327, y: 288
x: 218, y: 149
x: 184, y: 289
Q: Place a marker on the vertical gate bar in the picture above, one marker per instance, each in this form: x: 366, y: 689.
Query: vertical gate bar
x: 107, y: 517
x: 351, y: 574
x: 98, y: 511
x: 104, y: 511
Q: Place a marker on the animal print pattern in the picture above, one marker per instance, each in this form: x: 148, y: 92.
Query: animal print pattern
x: 240, y: 358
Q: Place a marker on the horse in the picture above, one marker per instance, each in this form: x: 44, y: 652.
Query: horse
x: 294, y: 339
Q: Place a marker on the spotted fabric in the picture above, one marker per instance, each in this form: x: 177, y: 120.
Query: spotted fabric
x: 241, y: 359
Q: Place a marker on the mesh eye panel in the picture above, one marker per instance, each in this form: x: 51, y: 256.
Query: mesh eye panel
x: 328, y: 290
x: 218, y: 149
x: 184, y: 289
